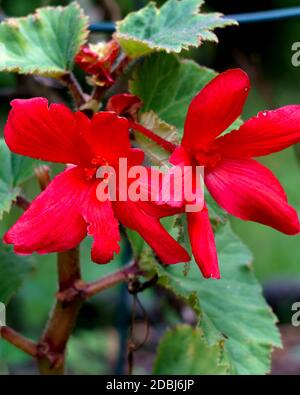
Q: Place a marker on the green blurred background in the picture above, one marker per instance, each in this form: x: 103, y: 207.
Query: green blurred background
x: 264, y: 51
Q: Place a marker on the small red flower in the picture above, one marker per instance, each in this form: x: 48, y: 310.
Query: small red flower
x: 98, y: 60
x: 124, y: 104
x: 62, y: 215
x: 239, y: 184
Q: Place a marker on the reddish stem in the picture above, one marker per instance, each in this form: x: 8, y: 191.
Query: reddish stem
x: 87, y: 290
x: 22, y: 202
x: 19, y: 341
x: 53, y: 343
x: 42, y: 174
x: 75, y: 89
x: 106, y: 282
x: 72, y: 293
x: 170, y: 147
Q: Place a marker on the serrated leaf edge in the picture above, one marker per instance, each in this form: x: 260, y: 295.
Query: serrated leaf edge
x: 220, y: 23
x: 220, y: 344
x: 51, y: 72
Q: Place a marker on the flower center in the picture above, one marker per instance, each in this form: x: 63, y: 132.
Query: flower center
x: 90, y: 172
x: 100, y: 49
x: 208, y: 157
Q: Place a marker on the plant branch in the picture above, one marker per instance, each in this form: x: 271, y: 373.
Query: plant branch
x: 19, y: 341
x: 42, y: 174
x: 22, y: 202
x: 85, y: 291
x: 77, y: 93
x: 91, y: 106
x: 62, y: 320
x: 110, y: 280
x: 98, y: 93
x: 68, y: 268
x: 167, y: 145
x: 72, y: 293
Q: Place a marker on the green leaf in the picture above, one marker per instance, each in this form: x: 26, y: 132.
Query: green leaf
x: 169, y: 87
x: 8, y: 192
x: 231, y: 309
x: 13, y: 270
x: 14, y: 170
x: 22, y: 168
x: 153, y: 151
x: 177, y: 25
x: 184, y: 350
x: 7, y: 196
x: 44, y: 43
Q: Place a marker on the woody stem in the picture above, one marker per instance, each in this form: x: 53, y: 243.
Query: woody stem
x: 49, y: 351
x: 105, y: 282
x: 22, y: 202
x: 167, y: 145
x: 19, y: 341
x: 87, y: 290
x: 75, y: 89
x: 63, y: 317
x: 98, y: 93
x: 71, y: 295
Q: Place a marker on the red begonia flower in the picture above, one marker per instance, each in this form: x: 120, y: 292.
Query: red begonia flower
x: 239, y: 184
x: 124, y: 104
x: 62, y: 215
x: 98, y: 59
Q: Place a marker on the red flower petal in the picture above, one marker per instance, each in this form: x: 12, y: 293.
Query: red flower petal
x: 103, y: 226
x: 53, y: 222
x: 136, y: 157
x: 50, y: 133
x: 180, y: 157
x: 250, y: 191
x: 124, y: 104
x: 132, y: 215
x: 269, y: 132
x: 215, y: 108
x: 87, y: 60
x: 98, y: 59
x: 182, y: 188
x: 109, y: 136
x: 203, y: 243
x: 151, y: 184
